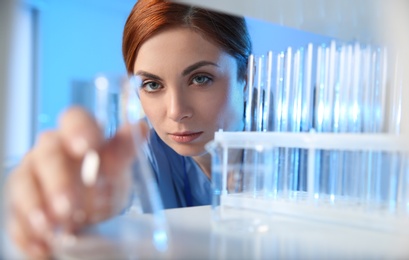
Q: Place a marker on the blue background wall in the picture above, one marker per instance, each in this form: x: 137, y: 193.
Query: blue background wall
x: 77, y: 41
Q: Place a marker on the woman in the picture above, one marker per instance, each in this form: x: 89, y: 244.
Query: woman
x: 192, y: 64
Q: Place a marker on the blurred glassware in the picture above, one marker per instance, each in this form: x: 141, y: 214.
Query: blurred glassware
x: 141, y: 230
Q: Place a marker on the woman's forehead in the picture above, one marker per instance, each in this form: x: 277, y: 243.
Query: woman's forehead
x: 177, y: 47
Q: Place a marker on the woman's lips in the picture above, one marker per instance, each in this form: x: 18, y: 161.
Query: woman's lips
x: 185, y: 137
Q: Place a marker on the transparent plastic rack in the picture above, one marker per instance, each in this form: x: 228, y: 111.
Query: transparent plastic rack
x: 354, y: 179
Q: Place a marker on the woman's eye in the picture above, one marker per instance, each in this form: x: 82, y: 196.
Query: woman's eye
x: 201, y: 80
x: 151, y: 86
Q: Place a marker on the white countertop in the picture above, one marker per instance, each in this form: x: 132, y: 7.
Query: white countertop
x: 193, y: 235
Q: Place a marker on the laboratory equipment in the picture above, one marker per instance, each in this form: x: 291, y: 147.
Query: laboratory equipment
x: 321, y: 143
x: 374, y: 196
x: 116, y: 103
x: 335, y: 157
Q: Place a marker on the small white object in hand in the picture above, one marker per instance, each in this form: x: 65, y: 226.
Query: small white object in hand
x: 89, y: 169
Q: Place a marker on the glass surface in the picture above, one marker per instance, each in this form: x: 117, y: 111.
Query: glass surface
x: 141, y: 230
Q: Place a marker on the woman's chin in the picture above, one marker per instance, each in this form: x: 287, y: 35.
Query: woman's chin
x: 190, y: 151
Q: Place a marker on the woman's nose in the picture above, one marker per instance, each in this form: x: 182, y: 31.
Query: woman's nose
x: 179, y: 106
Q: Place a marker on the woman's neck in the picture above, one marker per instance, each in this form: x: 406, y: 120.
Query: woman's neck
x: 205, y: 163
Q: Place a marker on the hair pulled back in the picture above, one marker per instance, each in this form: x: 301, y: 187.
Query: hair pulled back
x: 151, y: 16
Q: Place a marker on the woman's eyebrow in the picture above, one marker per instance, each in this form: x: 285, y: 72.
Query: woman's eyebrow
x: 196, y: 66
x: 147, y: 75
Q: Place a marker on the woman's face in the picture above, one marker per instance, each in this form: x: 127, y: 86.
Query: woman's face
x: 190, y: 89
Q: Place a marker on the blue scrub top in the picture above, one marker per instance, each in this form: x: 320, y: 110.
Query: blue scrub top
x: 180, y: 180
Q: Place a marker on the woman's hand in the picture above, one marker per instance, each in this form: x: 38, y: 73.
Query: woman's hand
x: 47, y: 190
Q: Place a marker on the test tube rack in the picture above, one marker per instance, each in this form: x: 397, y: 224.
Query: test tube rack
x: 359, y: 180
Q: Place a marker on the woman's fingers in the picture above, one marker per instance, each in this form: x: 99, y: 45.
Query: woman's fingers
x: 79, y: 132
x: 55, y: 171
x: 114, y: 182
x: 27, y: 218
x: 28, y: 242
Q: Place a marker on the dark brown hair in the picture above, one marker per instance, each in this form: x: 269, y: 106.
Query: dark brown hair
x: 150, y: 16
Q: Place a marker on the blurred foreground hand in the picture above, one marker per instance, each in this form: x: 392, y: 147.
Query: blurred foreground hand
x: 71, y: 178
